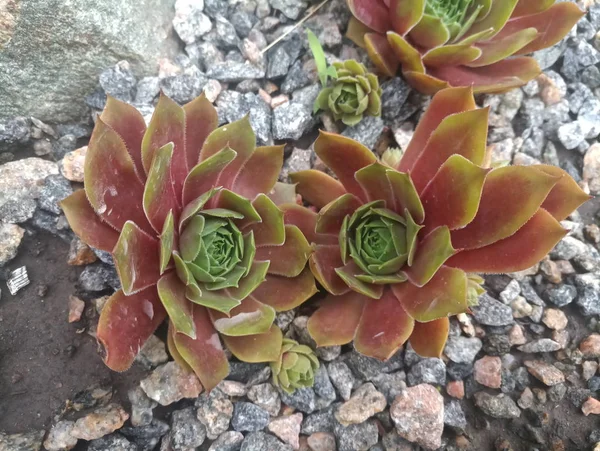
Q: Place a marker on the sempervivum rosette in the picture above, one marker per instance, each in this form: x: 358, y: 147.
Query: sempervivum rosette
x: 442, y: 43
x: 184, y: 209
x: 398, y: 248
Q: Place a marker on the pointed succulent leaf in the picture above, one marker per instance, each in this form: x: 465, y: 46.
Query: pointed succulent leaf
x: 204, y: 354
x: 529, y: 7
x: 511, y: 196
x: 503, y: 46
x: 234, y: 202
x: 323, y: 263
x: 383, y: 328
x: 249, y: 318
x: 204, y: 176
x: 256, y: 348
x: 349, y: 273
x: 336, y: 320
x: 463, y: 134
x: 375, y: 184
x: 565, y: 197
x: 316, y: 187
x: 430, y: 32
x: 452, y: 197
x: 194, y: 207
x: 137, y: 259
x: 172, y: 295
x: 373, y: 13
x: 260, y: 173
x: 304, y: 219
x: 445, y: 103
x: 432, y: 252
x: 159, y: 198
x: 518, y: 252
x: 129, y: 124
x: 111, y: 185
x: 240, y: 137
x: 451, y: 55
x: 290, y: 258
x: 424, y: 83
x: 86, y: 224
x: 330, y: 218
x: 405, y: 195
x: 286, y: 293
x: 126, y: 322
x: 409, y: 57
x: 190, y: 241
x: 405, y: 14
x: 201, y: 120
x: 499, y: 14
x: 344, y: 157
x: 172, y: 347
x: 554, y: 24
x: 381, y: 53
x: 295, y: 367
x: 167, y: 242
x: 167, y: 126
x: 283, y: 193
x: 271, y: 229
x: 444, y: 295
x: 429, y: 339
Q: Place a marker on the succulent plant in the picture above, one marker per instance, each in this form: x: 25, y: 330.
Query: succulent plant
x: 184, y: 208
x: 351, y: 94
x: 399, y: 248
x: 442, y: 43
x: 295, y: 368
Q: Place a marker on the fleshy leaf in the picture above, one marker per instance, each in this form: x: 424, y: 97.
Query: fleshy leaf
x: 290, y: 258
x: 305, y: 220
x: 323, y: 262
x: 249, y: 318
x: 405, y: 195
x: 375, y: 184
x: 405, y: 14
x: 167, y: 242
x: 167, y: 126
x: 432, y: 252
x: 159, y: 198
x: 240, y: 137
x: 503, y: 47
x: 286, y: 293
x: 344, y: 156
x: 127, y: 121
x: 111, y: 184
x: 511, y: 196
x: 499, y: 14
x: 430, y: 32
x: 86, y: 224
x: 452, y: 197
x: 424, y: 83
x: 172, y: 295
x: 553, y: 24
x: 172, y: 347
x: 528, y: 7
x: 234, y: 202
x: 200, y: 121
x: 383, y: 328
x: 518, y: 252
x: 330, y: 218
x: 283, y: 193
x: 256, y: 348
x: 348, y: 274
x: 271, y: 230
x: 429, y: 339
x: 463, y: 134
x: 444, y: 295
x: 126, y: 322
x: 260, y: 172
x: 565, y: 197
x: 194, y: 207
x: 336, y: 321
x: 409, y: 57
x: 451, y: 55
x: 204, y: 176
x: 204, y: 354
x: 445, y: 103
x: 316, y: 187
x: 381, y: 54
x: 373, y: 13
x: 137, y: 259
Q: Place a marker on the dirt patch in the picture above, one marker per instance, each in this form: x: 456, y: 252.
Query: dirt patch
x: 43, y: 360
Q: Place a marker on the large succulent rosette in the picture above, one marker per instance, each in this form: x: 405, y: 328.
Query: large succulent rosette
x: 442, y: 43
x: 184, y: 209
x: 398, y: 247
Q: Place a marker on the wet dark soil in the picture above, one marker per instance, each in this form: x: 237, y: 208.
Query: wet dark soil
x: 44, y: 360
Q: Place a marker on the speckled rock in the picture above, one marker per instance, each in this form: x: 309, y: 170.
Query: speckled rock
x: 100, y: 422
x: 265, y: 396
x: 59, y: 437
x: 169, y: 383
x: 500, y: 406
x: 71, y: 166
x: 214, y: 411
x: 10, y: 239
x: 418, y: 414
x: 287, y: 428
x: 28, y: 441
x: 545, y: 372
x: 365, y: 402
x: 260, y: 441
x: 462, y: 349
x: 488, y: 371
x: 227, y: 441
x: 248, y: 417
x: 186, y: 430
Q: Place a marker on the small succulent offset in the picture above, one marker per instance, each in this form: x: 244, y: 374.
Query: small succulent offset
x: 353, y: 91
x: 295, y: 368
x: 399, y: 247
x: 184, y: 208
x: 443, y: 43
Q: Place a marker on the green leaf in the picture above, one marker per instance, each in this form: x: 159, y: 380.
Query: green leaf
x: 320, y: 61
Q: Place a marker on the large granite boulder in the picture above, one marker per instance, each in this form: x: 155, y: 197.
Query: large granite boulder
x: 51, y: 51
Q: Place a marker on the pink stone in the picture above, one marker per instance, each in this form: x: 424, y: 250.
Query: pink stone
x: 456, y: 389
x: 488, y: 371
